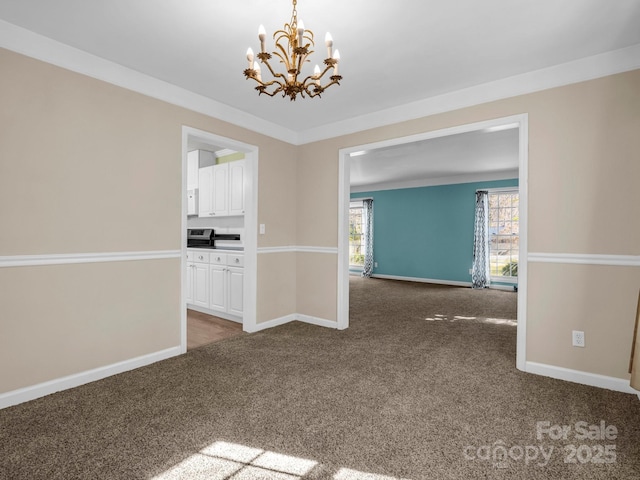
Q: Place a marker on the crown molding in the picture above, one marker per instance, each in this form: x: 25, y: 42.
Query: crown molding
x: 31, y: 44
x: 588, y: 68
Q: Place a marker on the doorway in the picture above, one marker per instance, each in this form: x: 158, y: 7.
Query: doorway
x: 344, y: 195
x: 193, y: 138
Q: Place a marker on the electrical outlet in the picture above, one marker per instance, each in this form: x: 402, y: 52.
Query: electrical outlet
x: 470, y: 271
x: 375, y: 264
x: 578, y: 338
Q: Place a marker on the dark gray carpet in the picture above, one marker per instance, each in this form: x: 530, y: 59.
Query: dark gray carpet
x: 420, y: 379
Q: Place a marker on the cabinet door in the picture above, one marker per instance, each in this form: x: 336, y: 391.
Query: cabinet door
x: 236, y: 187
x: 193, y: 165
x: 205, y: 193
x: 236, y: 289
x: 189, y: 274
x: 218, y: 299
x: 201, y: 285
x: 221, y: 189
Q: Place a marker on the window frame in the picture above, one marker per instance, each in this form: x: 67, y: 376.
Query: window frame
x: 494, y: 191
x: 356, y: 203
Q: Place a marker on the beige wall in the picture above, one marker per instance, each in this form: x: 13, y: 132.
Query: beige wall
x: 82, y: 162
x: 277, y: 285
x: 58, y: 320
x: 584, y: 168
x: 86, y: 166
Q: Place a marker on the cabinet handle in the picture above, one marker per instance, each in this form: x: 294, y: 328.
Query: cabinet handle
x: 212, y: 213
x: 237, y: 260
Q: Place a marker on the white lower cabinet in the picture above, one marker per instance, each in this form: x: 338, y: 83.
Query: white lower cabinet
x: 217, y: 285
x: 235, y: 281
x: 218, y: 277
x: 201, y: 284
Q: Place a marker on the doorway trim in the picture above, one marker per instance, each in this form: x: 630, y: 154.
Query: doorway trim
x: 522, y: 120
x: 250, y: 240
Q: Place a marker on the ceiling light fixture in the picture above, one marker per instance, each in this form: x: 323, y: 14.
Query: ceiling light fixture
x: 293, y: 54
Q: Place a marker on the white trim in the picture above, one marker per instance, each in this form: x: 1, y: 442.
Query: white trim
x: 40, y: 390
x: 250, y: 239
x: 586, y: 259
x: 26, y: 42
x: 523, y: 227
x: 506, y: 288
x: 276, y: 322
x: 432, y: 182
x: 292, y: 317
x: 298, y: 249
x: 503, y: 279
x: 452, y: 283
x: 71, y: 258
x: 343, y: 214
x: 500, y: 189
x: 589, y: 68
x: 320, y: 322
x: 577, y: 376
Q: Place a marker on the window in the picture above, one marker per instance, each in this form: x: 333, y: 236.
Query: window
x: 356, y: 237
x: 504, y: 234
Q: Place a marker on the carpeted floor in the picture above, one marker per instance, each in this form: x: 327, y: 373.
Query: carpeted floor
x: 422, y: 386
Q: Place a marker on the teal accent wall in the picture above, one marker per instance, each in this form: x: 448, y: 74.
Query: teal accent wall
x: 426, y: 232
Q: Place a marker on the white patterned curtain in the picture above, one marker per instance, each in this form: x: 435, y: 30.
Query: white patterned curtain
x: 480, y: 270
x: 367, y: 233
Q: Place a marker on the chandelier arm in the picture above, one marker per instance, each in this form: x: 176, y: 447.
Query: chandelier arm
x: 334, y: 81
x: 272, y: 82
x: 326, y: 69
x: 280, y: 75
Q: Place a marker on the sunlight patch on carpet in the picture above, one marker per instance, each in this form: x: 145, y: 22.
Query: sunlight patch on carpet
x: 348, y: 474
x: 457, y: 318
x: 223, y: 460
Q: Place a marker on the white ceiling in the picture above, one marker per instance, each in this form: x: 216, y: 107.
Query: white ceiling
x: 393, y: 53
x: 464, y: 157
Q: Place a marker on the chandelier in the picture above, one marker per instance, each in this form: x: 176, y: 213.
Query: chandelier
x: 293, y: 47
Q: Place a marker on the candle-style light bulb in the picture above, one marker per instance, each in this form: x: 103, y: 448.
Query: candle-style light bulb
x: 336, y: 57
x: 250, y: 58
x: 300, y: 33
x: 256, y: 66
x: 262, y: 34
x: 316, y: 74
x: 328, y: 40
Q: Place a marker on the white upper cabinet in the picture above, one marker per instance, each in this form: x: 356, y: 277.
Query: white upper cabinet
x: 205, y: 193
x: 222, y: 190
x: 236, y: 187
x: 196, y: 159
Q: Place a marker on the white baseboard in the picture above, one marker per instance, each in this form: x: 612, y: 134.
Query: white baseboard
x: 274, y: 323
x: 453, y: 283
x: 40, y: 390
x: 321, y: 322
x: 506, y: 288
x: 577, y: 376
